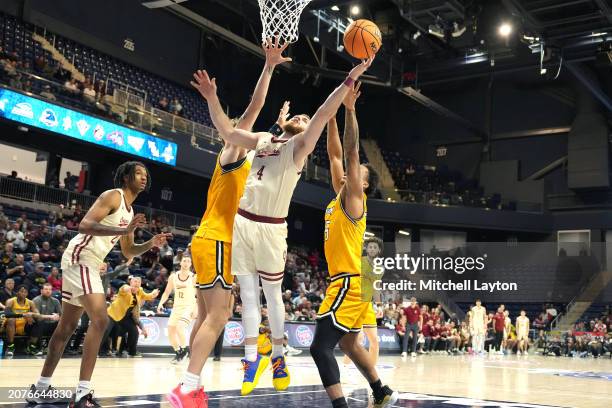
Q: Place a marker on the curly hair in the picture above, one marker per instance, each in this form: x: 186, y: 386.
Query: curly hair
x: 128, y: 169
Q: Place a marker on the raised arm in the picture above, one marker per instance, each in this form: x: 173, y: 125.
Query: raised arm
x: 306, y: 141
x: 106, y: 204
x: 274, y: 57
x: 208, y: 89
x: 352, y: 193
x: 334, y: 152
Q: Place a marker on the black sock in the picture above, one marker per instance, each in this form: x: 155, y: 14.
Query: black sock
x: 377, y: 389
x: 339, y: 403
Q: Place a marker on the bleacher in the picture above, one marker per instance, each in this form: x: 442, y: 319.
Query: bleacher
x: 16, y: 36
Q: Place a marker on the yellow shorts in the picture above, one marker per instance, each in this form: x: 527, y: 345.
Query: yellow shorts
x: 343, y: 303
x: 212, y: 262
x: 20, y: 325
x: 370, y: 319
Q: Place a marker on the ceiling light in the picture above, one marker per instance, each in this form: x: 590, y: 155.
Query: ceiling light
x: 335, y: 8
x: 436, y: 29
x: 402, y: 232
x: 505, y: 29
x: 416, y: 35
x: 355, y: 10
x: 458, y: 30
x: 315, y: 39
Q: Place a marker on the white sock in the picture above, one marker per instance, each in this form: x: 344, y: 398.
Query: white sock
x: 43, y: 383
x: 250, y: 352
x: 83, y: 389
x: 277, y: 350
x: 191, y: 382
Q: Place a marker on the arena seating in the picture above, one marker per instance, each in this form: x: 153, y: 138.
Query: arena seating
x: 16, y: 37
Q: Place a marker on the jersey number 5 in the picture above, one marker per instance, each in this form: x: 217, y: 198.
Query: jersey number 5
x: 260, y: 172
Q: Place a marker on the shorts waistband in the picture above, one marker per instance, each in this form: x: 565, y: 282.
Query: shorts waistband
x: 343, y: 275
x: 260, y: 218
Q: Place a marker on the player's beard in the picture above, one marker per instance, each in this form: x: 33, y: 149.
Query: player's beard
x: 292, y: 129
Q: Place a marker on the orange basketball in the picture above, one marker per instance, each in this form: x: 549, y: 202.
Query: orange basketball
x: 362, y: 39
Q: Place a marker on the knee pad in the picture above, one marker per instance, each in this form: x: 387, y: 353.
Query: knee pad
x: 276, y: 308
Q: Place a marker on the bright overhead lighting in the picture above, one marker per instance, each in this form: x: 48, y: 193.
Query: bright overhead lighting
x: 437, y: 30
x: 335, y: 8
x: 402, y: 232
x: 505, y: 29
x: 355, y: 10
x: 368, y: 234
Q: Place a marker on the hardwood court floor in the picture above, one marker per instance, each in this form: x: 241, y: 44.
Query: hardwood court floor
x: 425, y: 381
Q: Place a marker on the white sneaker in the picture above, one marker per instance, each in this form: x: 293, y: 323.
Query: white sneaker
x: 290, y: 351
x: 413, y: 355
x: 526, y: 353
x: 518, y: 353
x: 404, y: 354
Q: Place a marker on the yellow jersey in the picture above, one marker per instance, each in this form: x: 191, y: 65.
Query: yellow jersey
x: 224, y: 193
x: 343, y: 238
x: 21, y: 309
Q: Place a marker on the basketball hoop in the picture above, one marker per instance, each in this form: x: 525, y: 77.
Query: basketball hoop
x: 280, y: 18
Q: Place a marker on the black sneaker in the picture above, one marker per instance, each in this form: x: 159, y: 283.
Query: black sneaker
x: 86, y: 401
x: 48, y: 396
x: 177, y: 357
x: 389, y: 398
x: 10, y: 350
x: 33, y: 350
x: 186, y: 352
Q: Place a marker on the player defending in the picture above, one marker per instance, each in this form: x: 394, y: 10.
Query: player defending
x: 259, y: 244
x: 110, y: 219
x: 343, y: 310
x: 211, y: 247
x: 373, y: 245
x: 522, y: 333
x: 183, y: 309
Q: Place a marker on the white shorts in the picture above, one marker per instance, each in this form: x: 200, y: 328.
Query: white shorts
x: 79, y: 280
x: 522, y: 336
x: 181, y: 314
x: 259, y: 247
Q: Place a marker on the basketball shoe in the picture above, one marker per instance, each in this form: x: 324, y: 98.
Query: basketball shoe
x: 252, y: 372
x: 86, y: 401
x: 280, y: 374
x: 193, y: 399
x: 388, y: 398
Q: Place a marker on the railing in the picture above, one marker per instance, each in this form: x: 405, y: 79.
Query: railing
x: 32, y: 192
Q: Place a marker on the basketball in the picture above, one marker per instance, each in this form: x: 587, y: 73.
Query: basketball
x: 362, y: 39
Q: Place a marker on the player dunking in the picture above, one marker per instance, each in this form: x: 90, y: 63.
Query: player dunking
x: 211, y: 247
x: 183, y: 308
x: 343, y: 310
x: 110, y: 219
x: 259, y: 242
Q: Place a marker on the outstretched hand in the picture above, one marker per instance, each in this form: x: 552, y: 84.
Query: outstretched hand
x: 351, y: 97
x: 206, y: 86
x: 139, y: 221
x: 160, y: 239
x: 357, y: 71
x: 274, y: 52
x: 283, y: 114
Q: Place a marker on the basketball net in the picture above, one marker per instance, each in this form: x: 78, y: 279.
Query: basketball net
x: 280, y: 18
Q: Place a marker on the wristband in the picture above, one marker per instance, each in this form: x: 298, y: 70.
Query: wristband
x: 349, y: 82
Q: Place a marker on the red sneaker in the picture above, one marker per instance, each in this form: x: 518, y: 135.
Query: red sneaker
x: 193, y: 399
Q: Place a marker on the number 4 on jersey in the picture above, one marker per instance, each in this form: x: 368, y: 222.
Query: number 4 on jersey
x: 260, y: 172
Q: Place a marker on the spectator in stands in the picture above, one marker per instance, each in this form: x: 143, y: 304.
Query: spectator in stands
x: 30, y: 266
x: 100, y: 88
x: 89, y: 94
x: 58, y: 237
x: 22, y: 325
x: 35, y: 280
x: 55, y: 280
x: 176, y: 107
x: 46, y: 253
x: 16, y: 237
x: 499, y: 324
x: 71, y: 86
x: 40, y: 64
x: 8, y: 291
x: 14, y: 175
x: 50, y: 310
x: 31, y: 247
x: 16, y: 268
x: 73, y: 224
x: 46, y: 93
x: 43, y: 234
x: 163, y: 104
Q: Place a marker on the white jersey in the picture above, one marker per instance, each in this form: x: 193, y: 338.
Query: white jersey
x: 184, y: 291
x: 478, y: 317
x: 522, y: 324
x: 272, y: 179
x: 91, y: 250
